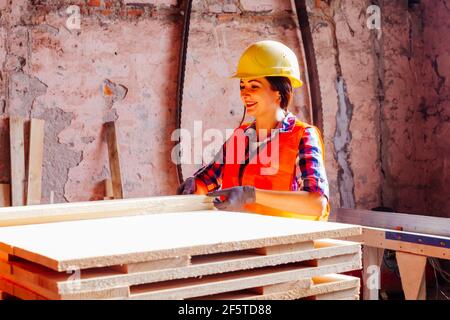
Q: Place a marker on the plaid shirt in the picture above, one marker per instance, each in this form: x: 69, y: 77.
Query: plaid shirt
x: 309, y: 170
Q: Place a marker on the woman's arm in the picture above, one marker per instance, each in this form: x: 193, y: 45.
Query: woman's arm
x: 301, y: 202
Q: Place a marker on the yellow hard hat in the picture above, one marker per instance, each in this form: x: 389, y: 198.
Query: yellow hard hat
x: 269, y: 58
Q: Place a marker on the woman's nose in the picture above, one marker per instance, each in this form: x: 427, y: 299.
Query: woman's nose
x: 245, y: 92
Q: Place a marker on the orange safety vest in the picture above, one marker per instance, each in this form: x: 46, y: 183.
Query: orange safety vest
x: 279, y: 175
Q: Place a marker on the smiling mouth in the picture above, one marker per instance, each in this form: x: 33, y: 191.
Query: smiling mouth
x: 250, y: 104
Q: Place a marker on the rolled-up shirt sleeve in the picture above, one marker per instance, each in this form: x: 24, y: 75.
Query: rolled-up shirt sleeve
x: 310, y: 169
x: 211, y: 174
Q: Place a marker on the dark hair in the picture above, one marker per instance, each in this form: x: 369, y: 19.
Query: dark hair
x: 284, y: 87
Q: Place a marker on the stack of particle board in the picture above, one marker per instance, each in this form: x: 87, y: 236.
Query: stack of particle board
x: 184, y: 255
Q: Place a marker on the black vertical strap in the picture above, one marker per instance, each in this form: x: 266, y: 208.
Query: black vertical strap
x: 246, y: 160
x: 181, y: 71
x: 311, y: 64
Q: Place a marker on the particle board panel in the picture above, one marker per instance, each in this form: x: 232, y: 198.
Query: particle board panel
x: 103, y: 278
x: 322, y: 285
x: 16, y: 134
x: 35, y: 161
x: 77, y: 211
x: 60, y: 246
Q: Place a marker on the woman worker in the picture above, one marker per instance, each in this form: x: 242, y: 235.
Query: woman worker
x: 293, y: 183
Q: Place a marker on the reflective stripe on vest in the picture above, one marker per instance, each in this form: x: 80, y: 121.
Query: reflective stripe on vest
x: 266, y: 170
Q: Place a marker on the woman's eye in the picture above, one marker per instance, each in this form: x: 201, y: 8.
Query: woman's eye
x: 242, y: 88
x: 255, y: 87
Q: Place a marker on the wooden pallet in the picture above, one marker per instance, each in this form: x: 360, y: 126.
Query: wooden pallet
x: 189, y: 277
x: 210, y: 253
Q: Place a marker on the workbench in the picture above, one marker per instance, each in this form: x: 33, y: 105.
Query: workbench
x: 414, y: 238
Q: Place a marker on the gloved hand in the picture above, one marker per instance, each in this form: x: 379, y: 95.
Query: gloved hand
x: 235, y: 198
x: 187, y: 187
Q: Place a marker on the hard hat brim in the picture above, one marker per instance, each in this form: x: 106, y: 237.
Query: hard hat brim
x: 296, y: 83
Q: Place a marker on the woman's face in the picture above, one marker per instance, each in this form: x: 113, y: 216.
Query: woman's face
x: 258, y: 97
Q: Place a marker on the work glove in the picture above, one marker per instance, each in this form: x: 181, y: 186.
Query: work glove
x: 235, y: 198
x: 187, y: 187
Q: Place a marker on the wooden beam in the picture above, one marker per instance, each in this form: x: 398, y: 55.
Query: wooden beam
x: 35, y: 161
x: 5, y: 195
x: 16, y: 127
x: 114, y: 159
x: 109, y: 193
x: 374, y: 237
x: 394, y: 221
x: 101, y: 209
x: 377, y: 238
x: 412, y: 273
x: 372, y: 258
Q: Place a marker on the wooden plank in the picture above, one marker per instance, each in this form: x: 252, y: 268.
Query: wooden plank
x: 101, y: 209
x: 153, y: 265
x: 144, y: 238
x: 4, y: 256
x: 320, y: 286
x: 16, y: 128
x: 5, y: 268
x: 307, y: 245
x: 35, y: 161
x: 109, y: 193
x: 390, y: 220
x: 372, y: 258
x: 349, y: 294
x: 412, y: 273
x: 374, y: 237
x: 5, y: 195
x: 218, y: 283
x: 114, y: 159
x: 330, y: 261
x: 19, y: 292
x: 92, y: 279
x: 4, y: 295
x: 282, y: 287
x: 29, y: 291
